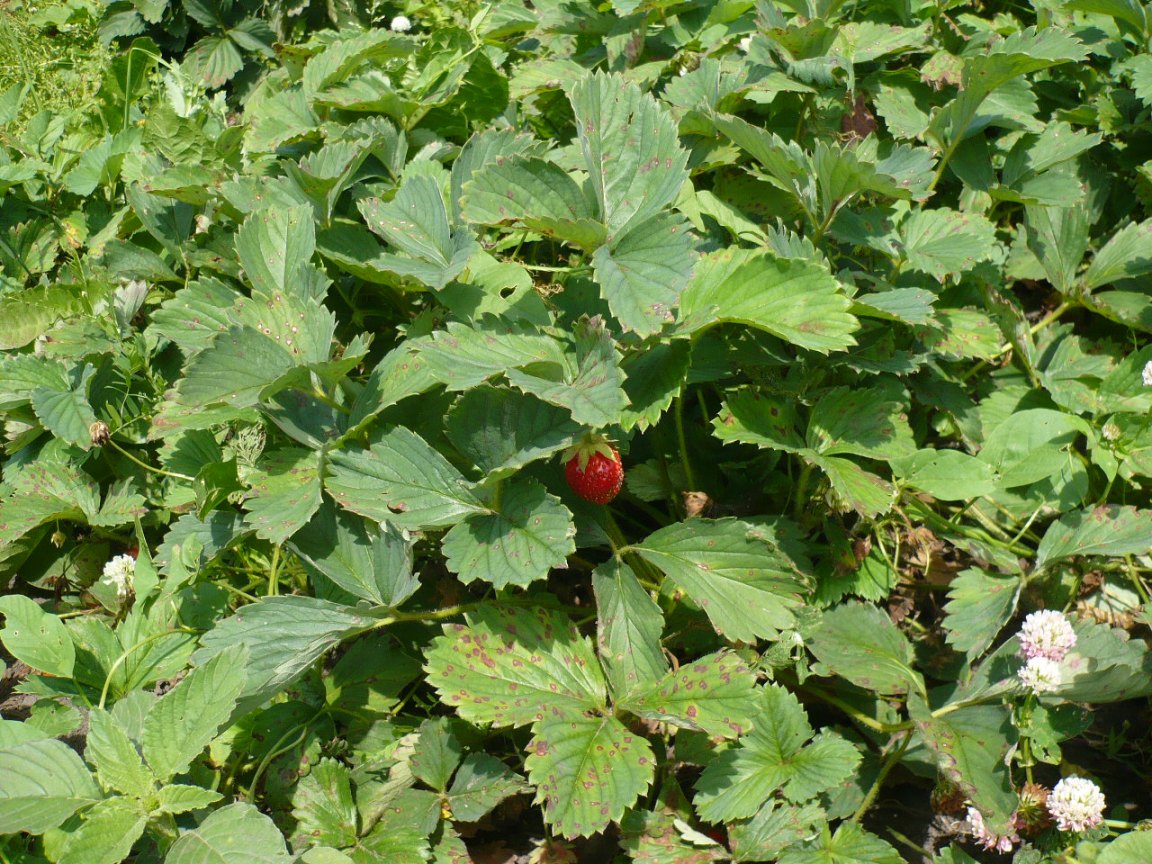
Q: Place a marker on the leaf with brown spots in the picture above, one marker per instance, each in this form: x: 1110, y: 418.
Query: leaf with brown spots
x: 715, y: 694
x: 587, y: 770
x: 511, y: 667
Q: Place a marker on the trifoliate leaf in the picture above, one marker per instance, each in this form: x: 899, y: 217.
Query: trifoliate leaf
x: 780, y: 755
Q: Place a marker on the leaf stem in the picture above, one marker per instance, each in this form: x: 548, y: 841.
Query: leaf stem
x: 124, y: 655
x: 146, y: 466
x: 682, y: 442
x: 274, y: 572
x: 801, y: 490
x: 890, y: 762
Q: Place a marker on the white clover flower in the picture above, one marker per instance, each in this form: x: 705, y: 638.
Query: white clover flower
x: 1046, y: 633
x: 120, y: 573
x: 1076, y: 804
x: 1001, y: 843
x: 1110, y: 431
x: 1146, y: 375
x: 400, y: 24
x: 1041, y: 675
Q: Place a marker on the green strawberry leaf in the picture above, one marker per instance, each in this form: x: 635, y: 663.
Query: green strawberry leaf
x: 401, y: 479
x: 501, y: 429
x: 979, y: 605
x: 274, y: 246
x: 512, y: 667
x: 631, y: 150
x: 1106, y: 530
x: 528, y: 533
x: 859, y: 642
x: 589, y: 383
x: 971, y: 744
x: 628, y: 628
x: 851, y: 844
x: 323, y: 806
x: 745, y: 586
x: 284, y: 494
x: 644, y: 271
x: 481, y: 782
x: 714, y: 694
x: 416, y: 223
x: 796, y: 300
x: 944, y: 242
x: 587, y: 770
x: 539, y: 195
x: 368, y: 560
x: 44, y: 783
x: 779, y: 755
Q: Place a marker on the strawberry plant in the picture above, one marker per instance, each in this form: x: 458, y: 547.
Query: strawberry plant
x: 644, y: 432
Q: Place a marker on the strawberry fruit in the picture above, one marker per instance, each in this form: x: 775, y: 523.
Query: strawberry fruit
x: 593, y: 470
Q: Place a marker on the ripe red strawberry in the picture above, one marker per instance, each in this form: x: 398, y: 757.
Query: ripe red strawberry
x: 593, y: 470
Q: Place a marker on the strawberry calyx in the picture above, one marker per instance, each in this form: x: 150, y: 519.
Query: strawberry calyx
x: 587, y: 446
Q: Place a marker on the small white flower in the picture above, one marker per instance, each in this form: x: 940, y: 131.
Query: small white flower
x: 985, y: 837
x: 1076, y: 804
x: 744, y: 44
x: 1146, y: 375
x: 120, y: 573
x: 1046, y: 633
x: 1110, y: 431
x: 400, y: 24
x: 1041, y: 675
